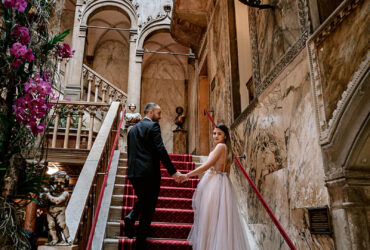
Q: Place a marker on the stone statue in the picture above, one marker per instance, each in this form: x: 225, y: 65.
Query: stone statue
x: 56, y: 201
x: 180, y: 118
x: 132, y: 118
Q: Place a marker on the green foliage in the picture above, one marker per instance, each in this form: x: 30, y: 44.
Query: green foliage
x: 11, y: 230
x: 16, y: 140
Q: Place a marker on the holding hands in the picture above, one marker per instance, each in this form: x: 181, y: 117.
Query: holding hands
x: 179, y: 177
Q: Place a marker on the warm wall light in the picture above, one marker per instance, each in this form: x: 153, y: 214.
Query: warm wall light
x: 52, y: 169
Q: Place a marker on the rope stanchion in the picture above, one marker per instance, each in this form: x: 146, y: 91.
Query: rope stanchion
x: 95, y: 220
x: 272, y: 216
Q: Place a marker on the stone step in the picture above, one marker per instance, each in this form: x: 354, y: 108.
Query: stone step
x: 122, y: 170
x: 165, y: 191
x: 163, y: 202
x: 158, y: 230
x: 166, y: 181
x: 153, y: 244
x: 160, y: 214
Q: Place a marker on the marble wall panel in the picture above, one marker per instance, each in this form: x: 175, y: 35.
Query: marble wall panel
x: 284, y: 159
x: 163, y: 82
x: 219, y: 64
x: 277, y: 36
x: 111, y: 61
x: 341, y: 53
x: 277, y: 30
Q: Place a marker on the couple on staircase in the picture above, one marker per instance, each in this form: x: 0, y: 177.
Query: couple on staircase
x: 217, y: 224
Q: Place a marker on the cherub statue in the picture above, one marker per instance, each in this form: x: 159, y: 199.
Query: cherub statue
x: 56, y: 200
x: 132, y: 118
x: 180, y: 118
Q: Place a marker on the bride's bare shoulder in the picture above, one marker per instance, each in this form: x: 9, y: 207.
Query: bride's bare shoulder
x: 220, y: 147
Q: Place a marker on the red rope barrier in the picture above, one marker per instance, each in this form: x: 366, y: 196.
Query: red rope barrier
x: 210, y: 118
x: 91, y: 235
x: 272, y: 216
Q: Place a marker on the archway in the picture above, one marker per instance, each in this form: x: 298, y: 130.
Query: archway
x: 164, y: 80
x: 107, y: 51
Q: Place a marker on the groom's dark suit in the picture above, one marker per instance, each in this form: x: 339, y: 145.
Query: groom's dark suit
x: 145, y: 151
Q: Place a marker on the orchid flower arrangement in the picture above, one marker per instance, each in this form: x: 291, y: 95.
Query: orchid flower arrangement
x: 28, y: 63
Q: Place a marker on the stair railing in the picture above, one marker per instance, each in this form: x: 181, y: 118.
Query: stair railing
x: 86, y: 193
x: 264, y: 204
x: 92, y: 231
x: 99, y: 89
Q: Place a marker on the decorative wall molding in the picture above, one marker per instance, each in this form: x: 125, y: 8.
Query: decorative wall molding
x: 328, y: 127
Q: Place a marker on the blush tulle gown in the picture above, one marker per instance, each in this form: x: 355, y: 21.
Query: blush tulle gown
x: 217, y: 221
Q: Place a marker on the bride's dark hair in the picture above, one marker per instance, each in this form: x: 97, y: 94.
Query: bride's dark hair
x: 225, y: 129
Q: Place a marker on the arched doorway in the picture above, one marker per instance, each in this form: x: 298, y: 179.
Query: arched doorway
x: 107, y: 50
x: 164, y: 80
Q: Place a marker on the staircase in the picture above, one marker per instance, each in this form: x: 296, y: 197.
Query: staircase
x: 173, y: 217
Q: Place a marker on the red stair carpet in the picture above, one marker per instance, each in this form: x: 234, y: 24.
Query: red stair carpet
x: 173, y: 217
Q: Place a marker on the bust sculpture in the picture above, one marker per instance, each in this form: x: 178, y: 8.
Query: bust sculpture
x: 180, y: 118
x: 131, y: 117
x: 56, y: 201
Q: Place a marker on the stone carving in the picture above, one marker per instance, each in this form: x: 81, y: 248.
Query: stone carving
x: 327, y: 118
x: 150, y: 11
x: 180, y: 118
x: 132, y: 118
x: 56, y: 200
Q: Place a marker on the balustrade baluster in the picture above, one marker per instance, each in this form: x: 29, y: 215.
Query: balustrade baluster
x: 97, y: 85
x: 66, y: 135
x: 57, y: 109
x: 104, y: 91
x: 91, y: 127
x: 80, y: 109
x: 104, y: 111
x: 59, y: 61
x: 89, y: 79
x: 84, y: 71
x: 112, y: 93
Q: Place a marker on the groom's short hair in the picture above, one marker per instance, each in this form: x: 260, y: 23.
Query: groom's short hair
x: 149, y: 106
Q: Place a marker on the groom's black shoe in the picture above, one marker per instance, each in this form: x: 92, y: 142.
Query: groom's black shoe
x: 140, y: 244
x: 130, y: 224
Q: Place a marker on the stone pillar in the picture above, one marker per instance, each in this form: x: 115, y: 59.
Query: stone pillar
x: 73, y: 84
x: 350, y: 209
x: 134, y: 73
x: 179, y: 141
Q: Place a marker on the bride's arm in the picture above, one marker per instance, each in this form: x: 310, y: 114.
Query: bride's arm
x: 219, y: 150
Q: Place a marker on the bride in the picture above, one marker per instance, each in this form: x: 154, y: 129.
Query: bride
x: 217, y: 222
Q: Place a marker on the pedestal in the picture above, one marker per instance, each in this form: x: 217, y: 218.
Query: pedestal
x: 179, y: 141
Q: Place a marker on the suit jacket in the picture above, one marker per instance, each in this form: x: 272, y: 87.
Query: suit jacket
x: 146, y: 150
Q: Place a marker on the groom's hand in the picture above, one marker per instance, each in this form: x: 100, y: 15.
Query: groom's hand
x: 178, y: 177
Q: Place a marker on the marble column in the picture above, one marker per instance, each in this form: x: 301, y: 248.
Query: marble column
x: 74, y: 72
x: 134, y: 73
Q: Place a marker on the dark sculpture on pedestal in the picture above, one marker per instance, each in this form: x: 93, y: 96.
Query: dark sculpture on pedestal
x: 56, y: 201
x: 180, y: 118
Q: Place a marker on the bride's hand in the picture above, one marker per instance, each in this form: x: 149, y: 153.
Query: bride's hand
x: 187, y: 177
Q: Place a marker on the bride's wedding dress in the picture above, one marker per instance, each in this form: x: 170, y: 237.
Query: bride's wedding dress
x: 217, y: 221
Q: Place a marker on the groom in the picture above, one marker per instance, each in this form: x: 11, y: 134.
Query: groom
x: 145, y: 151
